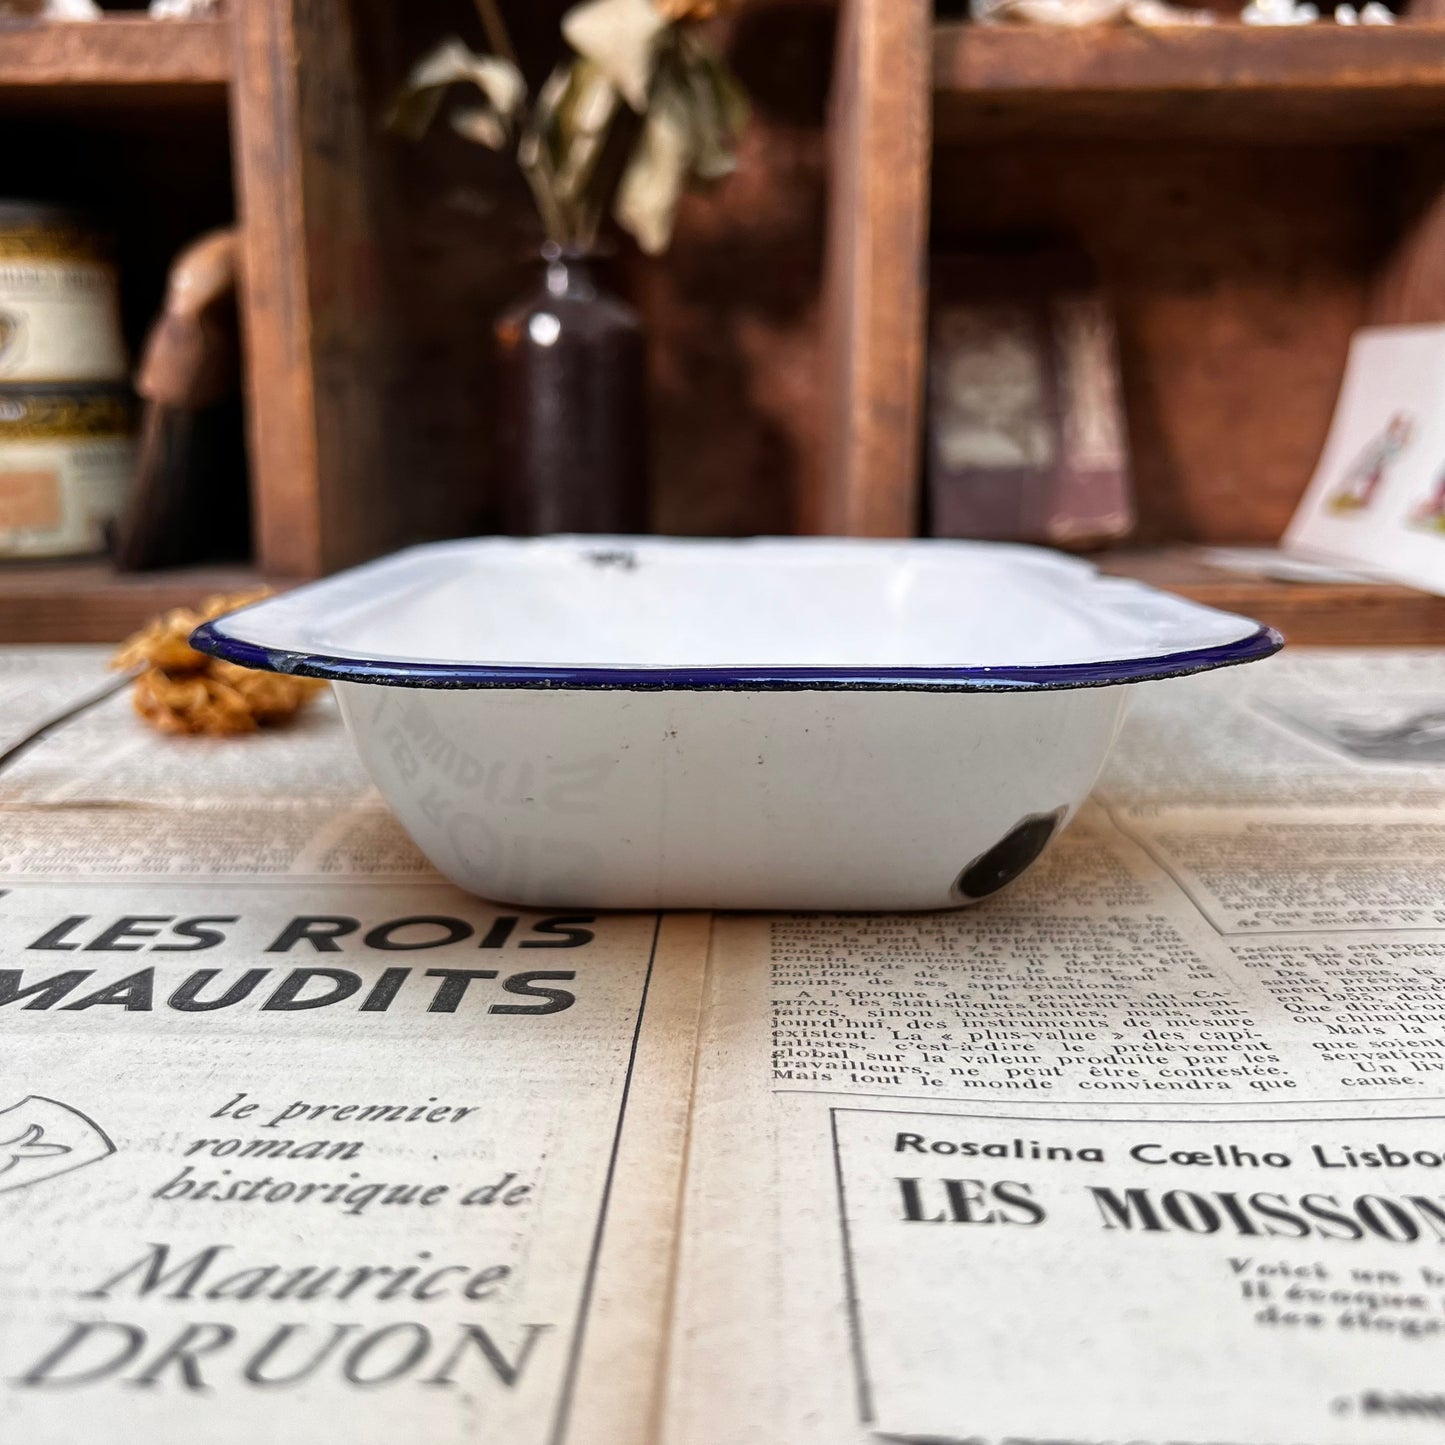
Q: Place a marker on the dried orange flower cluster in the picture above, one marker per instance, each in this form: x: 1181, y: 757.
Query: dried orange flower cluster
x: 675, y: 10
x: 184, y: 691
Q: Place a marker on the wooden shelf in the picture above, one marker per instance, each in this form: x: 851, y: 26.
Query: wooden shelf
x: 69, y: 60
x: 89, y: 601
x: 1262, y: 83
x: 1345, y: 614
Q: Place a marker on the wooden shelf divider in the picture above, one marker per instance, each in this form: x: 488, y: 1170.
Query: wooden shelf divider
x: 115, y: 51
x: 875, y: 281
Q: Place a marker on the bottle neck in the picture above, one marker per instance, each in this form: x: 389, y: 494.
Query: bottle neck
x: 569, y: 273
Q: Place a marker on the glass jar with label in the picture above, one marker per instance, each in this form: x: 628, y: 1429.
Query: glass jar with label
x: 59, y: 298
x: 67, y: 454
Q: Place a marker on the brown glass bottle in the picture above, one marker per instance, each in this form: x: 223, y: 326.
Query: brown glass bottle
x: 573, y: 405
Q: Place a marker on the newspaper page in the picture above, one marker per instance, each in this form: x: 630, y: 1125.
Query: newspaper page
x: 105, y: 797
x: 1143, y: 1150
x: 297, y: 1141
x: 40, y: 685
x: 1150, y: 1148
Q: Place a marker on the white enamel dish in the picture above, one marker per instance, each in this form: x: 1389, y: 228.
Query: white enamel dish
x: 780, y: 724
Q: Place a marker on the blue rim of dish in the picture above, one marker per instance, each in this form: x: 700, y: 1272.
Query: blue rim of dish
x: 1263, y: 642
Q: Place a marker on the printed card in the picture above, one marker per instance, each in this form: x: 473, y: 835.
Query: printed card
x: 1377, y: 498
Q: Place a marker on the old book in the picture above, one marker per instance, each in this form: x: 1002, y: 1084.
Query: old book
x: 1026, y: 432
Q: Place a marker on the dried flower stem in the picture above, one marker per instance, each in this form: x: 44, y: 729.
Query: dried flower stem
x: 540, y: 177
x: 536, y: 170
x: 496, y: 31
x: 622, y: 133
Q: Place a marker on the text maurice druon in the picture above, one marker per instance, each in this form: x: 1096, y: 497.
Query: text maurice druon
x: 270, y: 1355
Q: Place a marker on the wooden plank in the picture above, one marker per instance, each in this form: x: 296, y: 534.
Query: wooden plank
x: 88, y: 601
x: 1345, y: 614
x: 1307, y: 81
x: 309, y: 302
x: 874, y: 277
x: 115, y: 51
x: 1368, y: 59
x: 281, y: 411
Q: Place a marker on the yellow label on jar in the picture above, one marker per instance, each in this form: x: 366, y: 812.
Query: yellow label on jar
x: 59, y: 497
x: 30, y: 500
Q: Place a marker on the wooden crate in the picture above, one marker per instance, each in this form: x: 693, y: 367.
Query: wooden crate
x: 1249, y: 196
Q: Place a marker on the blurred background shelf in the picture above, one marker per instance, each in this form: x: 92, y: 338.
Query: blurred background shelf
x: 1336, y: 614
x: 1249, y: 197
x: 88, y: 601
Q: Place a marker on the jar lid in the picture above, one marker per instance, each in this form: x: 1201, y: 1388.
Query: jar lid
x: 15, y: 212
x: 65, y: 411
x: 23, y: 391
